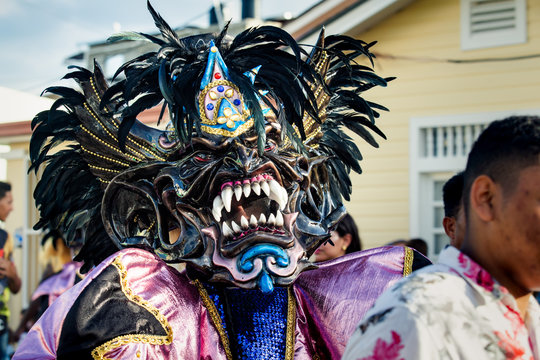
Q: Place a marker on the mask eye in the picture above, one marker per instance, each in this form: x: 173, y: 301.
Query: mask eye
x: 203, y: 157
x: 270, y: 146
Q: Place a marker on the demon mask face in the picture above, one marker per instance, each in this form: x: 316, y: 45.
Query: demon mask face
x: 247, y: 180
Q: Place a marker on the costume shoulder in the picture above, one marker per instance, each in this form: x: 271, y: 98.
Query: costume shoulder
x: 110, y: 308
x: 58, y: 283
x: 335, y: 297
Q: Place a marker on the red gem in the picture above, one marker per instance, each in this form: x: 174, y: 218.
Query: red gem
x: 217, y: 75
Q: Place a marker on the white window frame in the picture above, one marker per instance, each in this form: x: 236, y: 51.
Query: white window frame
x: 424, y: 169
x: 493, y: 38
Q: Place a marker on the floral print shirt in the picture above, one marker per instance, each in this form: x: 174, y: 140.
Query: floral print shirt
x: 451, y: 310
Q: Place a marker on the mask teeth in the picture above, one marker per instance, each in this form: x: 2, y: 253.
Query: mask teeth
x: 243, y: 189
x: 273, y: 224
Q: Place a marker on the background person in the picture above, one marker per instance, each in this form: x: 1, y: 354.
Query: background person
x: 9, y: 279
x: 476, y: 302
x: 345, y: 239
x: 454, y: 215
x: 60, y: 274
x: 419, y: 245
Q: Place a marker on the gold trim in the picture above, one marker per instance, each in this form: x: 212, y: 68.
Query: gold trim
x: 134, y: 158
x: 141, y: 155
x: 94, y: 87
x: 103, y: 169
x: 99, y: 352
x: 240, y: 130
x: 291, y: 324
x: 104, y: 157
x: 407, y: 261
x: 202, y: 110
x: 214, y: 316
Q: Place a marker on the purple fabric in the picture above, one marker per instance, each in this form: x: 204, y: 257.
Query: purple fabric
x: 335, y: 297
x: 57, y: 284
x: 331, y: 301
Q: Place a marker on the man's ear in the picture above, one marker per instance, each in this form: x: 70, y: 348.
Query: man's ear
x: 449, y: 225
x: 482, y: 195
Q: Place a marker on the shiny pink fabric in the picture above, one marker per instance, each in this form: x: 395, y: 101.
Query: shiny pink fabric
x: 161, y: 285
x: 331, y: 301
x: 335, y: 297
x: 59, y: 283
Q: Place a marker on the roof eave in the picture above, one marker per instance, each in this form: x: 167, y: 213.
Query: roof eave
x: 342, y: 17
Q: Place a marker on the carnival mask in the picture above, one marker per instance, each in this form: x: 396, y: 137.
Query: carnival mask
x: 248, y: 179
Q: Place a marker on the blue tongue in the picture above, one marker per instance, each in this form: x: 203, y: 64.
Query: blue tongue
x: 265, y: 283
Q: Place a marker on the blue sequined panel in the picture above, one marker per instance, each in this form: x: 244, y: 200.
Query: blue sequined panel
x: 259, y: 321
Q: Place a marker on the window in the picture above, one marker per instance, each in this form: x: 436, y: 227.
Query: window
x: 490, y: 23
x: 439, y: 147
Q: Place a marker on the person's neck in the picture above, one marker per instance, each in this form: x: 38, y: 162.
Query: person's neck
x: 487, y: 262
x: 523, y: 305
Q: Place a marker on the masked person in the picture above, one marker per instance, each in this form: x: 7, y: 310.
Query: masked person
x: 243, y: 186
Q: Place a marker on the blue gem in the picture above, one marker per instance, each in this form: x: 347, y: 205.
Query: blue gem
x: 210, y: 107
x: 237, y: 102
x: 220, y: 88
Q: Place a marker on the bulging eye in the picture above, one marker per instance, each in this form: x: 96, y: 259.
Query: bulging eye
x: 270, y: 146
x: 203, y: 157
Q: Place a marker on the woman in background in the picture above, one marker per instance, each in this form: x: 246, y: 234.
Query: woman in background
x: 344, y: 240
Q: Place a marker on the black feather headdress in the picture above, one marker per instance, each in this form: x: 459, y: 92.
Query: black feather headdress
x: 92, y: 136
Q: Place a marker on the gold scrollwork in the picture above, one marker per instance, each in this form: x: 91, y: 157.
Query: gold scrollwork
x: 100, y: 351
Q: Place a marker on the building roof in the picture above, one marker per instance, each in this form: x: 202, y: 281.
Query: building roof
x: 18, y: 106
x: 341, y: 17
x: 17, y: 109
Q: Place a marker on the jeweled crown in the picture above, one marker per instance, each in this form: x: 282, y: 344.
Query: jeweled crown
x: 221, y: 105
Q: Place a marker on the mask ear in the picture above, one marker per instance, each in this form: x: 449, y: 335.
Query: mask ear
x: 131, y: 210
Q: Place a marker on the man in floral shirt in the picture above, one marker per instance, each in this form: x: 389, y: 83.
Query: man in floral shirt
x: 476, y: 302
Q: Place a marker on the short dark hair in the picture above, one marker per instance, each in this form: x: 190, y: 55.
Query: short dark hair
x: 452, y: 194
x: 4, y: 188
x: 418, y: 244
x: 348, y: 226
x: 502, y: 150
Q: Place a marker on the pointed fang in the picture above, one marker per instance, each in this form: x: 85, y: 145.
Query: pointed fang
x: 265, y: 187
x: 272, y: 220
x: 276, y: 194
x: 244, y: 222
x: 226, y: 196
x: 256, y: 187
x: 236, y: 228
x: 247, y: 190
x: 238, y: 192
x: 279, y: 219
x: 226, y: 230
x: 217, y: 206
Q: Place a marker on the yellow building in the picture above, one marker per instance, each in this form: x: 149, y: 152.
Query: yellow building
x: 17, y: 109
x: 459, y: 65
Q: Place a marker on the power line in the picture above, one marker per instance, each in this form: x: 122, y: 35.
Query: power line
x: 456, y: 61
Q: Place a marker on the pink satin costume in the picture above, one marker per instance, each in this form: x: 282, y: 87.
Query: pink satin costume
x: 328, y: 304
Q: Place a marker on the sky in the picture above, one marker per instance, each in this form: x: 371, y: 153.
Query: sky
x: 37, y: 36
